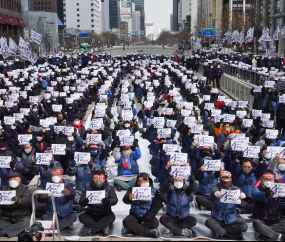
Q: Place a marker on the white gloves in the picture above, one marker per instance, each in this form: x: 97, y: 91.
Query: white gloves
x: 242, y: 195
x: 218, y: 194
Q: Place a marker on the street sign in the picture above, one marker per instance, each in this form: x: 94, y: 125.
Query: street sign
x: 211, y: 27
x: 195, y: 33
x: 83, y: 35
x: 213, y: 37
x: 207, y: 32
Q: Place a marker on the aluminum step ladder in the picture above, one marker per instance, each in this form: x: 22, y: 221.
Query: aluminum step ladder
x: 49, y: 226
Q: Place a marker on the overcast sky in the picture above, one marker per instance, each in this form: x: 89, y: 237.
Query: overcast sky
x: 158, y: 11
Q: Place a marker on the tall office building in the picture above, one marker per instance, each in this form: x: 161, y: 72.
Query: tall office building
x: 114, y: 14
x: 46, y: 6
x: 175, y: 16
x: 83, y: 15
x: 171, y: 22
x: 140, y: 7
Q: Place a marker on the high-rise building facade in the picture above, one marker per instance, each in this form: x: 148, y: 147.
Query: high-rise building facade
x: 46, y: 6
x: 175, y: 25
x: 114, y: 6
x: 83, y: 15
x: 140, y: 7
x: 11, y: 21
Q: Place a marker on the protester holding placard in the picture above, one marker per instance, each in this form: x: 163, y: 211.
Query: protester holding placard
x: 206, y: 179
x: 222, y: 131
x: 98, y: 216
x: 78, y: 125
x: 28, y: 158
x: 142, y: 220
x: 224, y: 222
x: 245, y: 177
x: 258, y: 99
x: 9, y: 159
x: 266, y: 213
x: 44, y: 140
x: 63, y: 204
x: 269, y: 105
x: 279, y: 110
x: 83, y: 172
x: 127, y: 166
x: 15, y: 218
x: 147, y: 113
x: 177, y: 219
x: 200, y: 153
x: 128, y: 125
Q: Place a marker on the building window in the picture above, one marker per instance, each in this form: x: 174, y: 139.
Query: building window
x: 35, y: 7
x: 77, y: 4
x: 48, y: 3
x: 77, y: 9
x: 48, y: 7
x: 78, y: 26
x: 92, y: 20
x: 92, y: 26
x: 45, y: 7
x: 78, y: 20
x: 92, y: 15
x: 35, y: 3
x: 42, y: 7
x: 45, y: 3
x: 78, y: 15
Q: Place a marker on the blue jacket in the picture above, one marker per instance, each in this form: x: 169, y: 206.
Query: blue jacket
x: 140, y: 208
x: 144, y: 119
x: 206, y: 182
x: 178, y: 208
x: 223, y: 211
x: 160, y: 164
x: 83, y: 176
x: 63, y: 204
x: 5, y: 172
x: 267, y: 209
x: 246, y: 182
x: 46, y: 176
x: 198, y: 159
x: 132, y: 164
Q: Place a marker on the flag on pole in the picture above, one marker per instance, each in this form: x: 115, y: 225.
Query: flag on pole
x: 283, y: 32
x: 227, y: 36
x: 235, y: 36
x: 276, y: 34
x: 12, y: 46
x: 241, y: 38
x: 4, y: 48
x: 249, y: 36
x: 35, y: 37
x: 23, y: 47
x: 272, y: 46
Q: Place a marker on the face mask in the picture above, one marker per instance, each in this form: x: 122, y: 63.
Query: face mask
x: 268, y: 184
x: 225, y: 184
x: 128, y: 152
x: 204, y: 154
x: 127, y: 125
x: 232, y: 109
x: 13, y: 127
x: 39, y: 138
x: 70, y: 107
x: 70, y: 138
x: 145, y: 185
x: 281, y: 167
x: 56, y: 179
x: 35, y: 110
x: 98, y: 183
x: 13, y: 184
x: 28, y: 151
x: 76, y: 122
x: 48, y: 101
x: 93, y: 152
x: 254, y: 118
x: 178, y: 185
x: 267, y: 156
x: 227, y: 129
